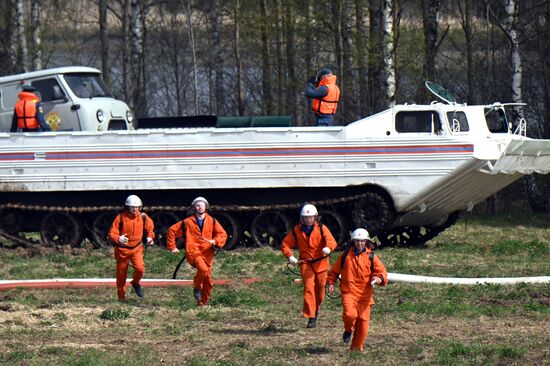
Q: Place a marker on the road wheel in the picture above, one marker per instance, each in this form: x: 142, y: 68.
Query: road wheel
x: 373, y: 212
x: 269, y: 228
x: 60, y: 228
x: 231, y: 227
x: 163, y: 221
x: 336, y: 225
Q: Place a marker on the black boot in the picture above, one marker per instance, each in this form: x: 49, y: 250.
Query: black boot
x: 197, y: 294
x: 138, y: 289
x: 311, y: 323
x: 346, y: 337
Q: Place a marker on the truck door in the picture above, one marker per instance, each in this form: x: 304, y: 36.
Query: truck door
x: 58, y: 108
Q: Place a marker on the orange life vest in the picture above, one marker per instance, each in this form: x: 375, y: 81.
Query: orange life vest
x: 329, y: 103
x: 25, y: 110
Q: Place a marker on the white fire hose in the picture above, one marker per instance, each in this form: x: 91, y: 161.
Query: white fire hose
x: 397, y: 277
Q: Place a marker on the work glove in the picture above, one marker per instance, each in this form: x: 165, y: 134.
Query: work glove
x: 312, y: 80
x: 375, y: 281
x: 175, y: 250
x: 326, y: 250
x: 292, y: 260
x: 330, y: 288
x: 149, y: 241
x: 123, y: 239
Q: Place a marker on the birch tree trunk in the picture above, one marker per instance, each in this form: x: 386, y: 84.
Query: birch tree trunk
x: 536, y: 200
x: 238, y: 60
x: 361, y: 49
x: 22, y: 54
x: 194, y: 58
x: 348, y: 88
x: 389, y: 52
x: 214, y: 12
x: 104, y: 38
x: 36, y: 50
x: 267, y: 105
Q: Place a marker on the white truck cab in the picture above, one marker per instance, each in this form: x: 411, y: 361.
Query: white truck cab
x: 74, y: 98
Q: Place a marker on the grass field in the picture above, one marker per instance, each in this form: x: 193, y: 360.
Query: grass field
x: 411, y: 324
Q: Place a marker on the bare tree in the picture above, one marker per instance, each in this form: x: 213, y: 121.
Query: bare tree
x: 266, y: 61
x: 22, y: 54
x: 104, y: 39
x: 375, y: 57
x: 7, y: 37
x: 536, y: 201
x: 292, y: 82
x: 337, y: 31
x: 389, y: 52
x: 138, y: 101
x: 194, y: 58
x: 281, y: 75
x: 361, y: 40
x: 238, y: 60
x: 310, y: 39
x: 348, y: 87
x: 214, y: 14
x: 35, y: 47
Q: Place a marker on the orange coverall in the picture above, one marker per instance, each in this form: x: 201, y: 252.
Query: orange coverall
x: 133, y: 227
x: 199, y: 252
x: 357, y: 291
x: 314, y: 274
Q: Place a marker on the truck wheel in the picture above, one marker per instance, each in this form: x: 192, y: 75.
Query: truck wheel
x: 269, y: 229
x: 60, y: 228
x: 373, y: 212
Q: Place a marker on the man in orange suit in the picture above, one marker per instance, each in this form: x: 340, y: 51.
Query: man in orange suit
x: 360, y: 270
x: 315, y: 242
x: 202, y: 234
x: 126, y: 234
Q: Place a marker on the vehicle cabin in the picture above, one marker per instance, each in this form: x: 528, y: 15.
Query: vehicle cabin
x: 73, y: 98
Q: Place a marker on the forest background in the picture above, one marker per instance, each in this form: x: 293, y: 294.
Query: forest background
x: 254, y: 57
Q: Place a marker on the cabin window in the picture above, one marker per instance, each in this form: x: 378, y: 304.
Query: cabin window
x: 458, y: 121
x: 496, y: 120
x: 417, y: 121
x: 49, y: 89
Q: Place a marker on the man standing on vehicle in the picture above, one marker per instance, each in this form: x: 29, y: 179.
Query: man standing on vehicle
x: 360, y: 270
x: 203, y: 234
x: 126, y: 234
x: 325, y: 94
x: 315, y: 242
x: 28, y: 115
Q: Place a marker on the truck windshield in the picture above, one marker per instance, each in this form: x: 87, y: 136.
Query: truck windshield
x: 87, y: 85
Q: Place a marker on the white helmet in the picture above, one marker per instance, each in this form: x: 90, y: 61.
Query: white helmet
x: 360, y: 234
x: 133, y: 201
x: 308, y: 210
x: 200, y: 199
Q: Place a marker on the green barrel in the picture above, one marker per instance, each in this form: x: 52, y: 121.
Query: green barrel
x: 228, y: 122
x: 271, y: 121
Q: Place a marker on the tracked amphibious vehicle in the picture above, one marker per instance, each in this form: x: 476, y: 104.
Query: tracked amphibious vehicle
x: 405, y: 174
